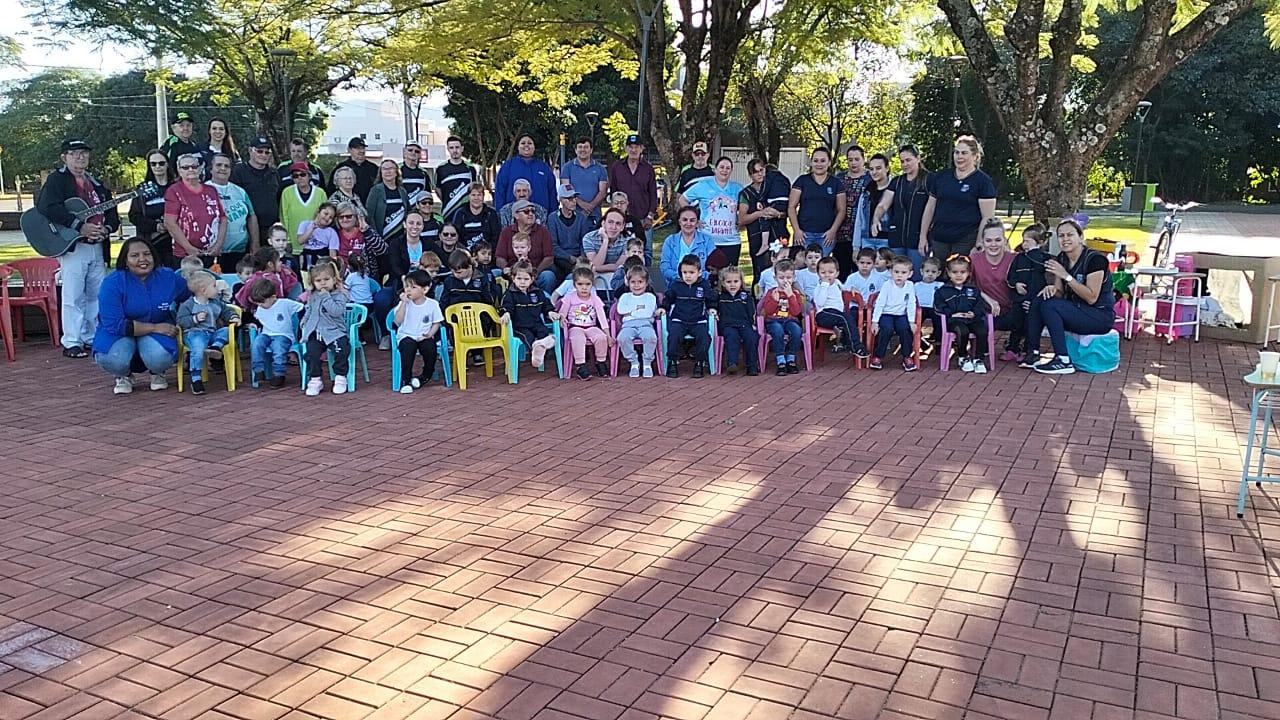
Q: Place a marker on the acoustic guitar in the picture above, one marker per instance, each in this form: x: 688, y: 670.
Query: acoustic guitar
x: 51, y: 239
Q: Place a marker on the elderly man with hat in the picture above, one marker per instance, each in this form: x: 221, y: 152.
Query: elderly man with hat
x: 416, y: 180
x: 523, y: 191
x: 567, y: 227
x: 182, y: 141
x: 366, y: 171
x: 634, y: 176
x: 84, y: 264
x: 541, y: 254
x: 257, y: 178
x: 533, y: 170
x: 298, y: 152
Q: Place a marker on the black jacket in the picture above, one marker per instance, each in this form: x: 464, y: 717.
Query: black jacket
x: 173, y: 147
x: 737, y: 309
x: 474, y: 228
x: 60, y: 187
x: 263, y: 189
x: 1024, y: 270
x: 479, y: 289
x: 949, y: 300
x: 689, y: 303
x: 528, y: 310
x: 366, y: 176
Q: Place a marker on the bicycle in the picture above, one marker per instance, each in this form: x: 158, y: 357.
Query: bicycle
x: 1162, y: 250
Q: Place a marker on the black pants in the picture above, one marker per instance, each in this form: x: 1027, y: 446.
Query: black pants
x: 927, y: 314
x: 408, y: 347
x: 1062, y: 316
x: 562, y: 266
x: 229, y: 260
x: 944, y: 250
x: 311, y: 257
x: 836, y: 320
x: 1015, y: 321
x: 732, y: 253
x: 843, y: 253
x: 962, y: 328
x: 340, y: 348
x: 676, y: 330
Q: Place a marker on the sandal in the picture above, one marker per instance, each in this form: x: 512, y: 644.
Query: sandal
x: 76, y: 352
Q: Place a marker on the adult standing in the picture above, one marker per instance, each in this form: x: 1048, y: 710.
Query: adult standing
x: 990, y: 273
x: 690, y: 240
x: 83, y: 265
x: 1080, y: 299
x: 298, y: 154
x: 877, y: 186
x: 258, y: 179
x: 387, y: 202
x: 300, y: 201
x: 716, y: 198
x: 636, y: 177
x: 136, y: 330
x: 762, y: 210
x: 541, y: 254
x: 698, y: 170
x: 816, y: 204
x: 567, y: 226
x: 147, y: 216
x: 853, y: 183
x: 242, y: 224
x: 523, y: 191
x: 193, y: 214
x: 903, y: 203
x: 476, y: 221
x: 523, y: 165
x: 366, y: 172
x: 344, y: 190
x: 181, y: 141
x: 415, y: 179
x: 587, y: 178
x: 961, y: 200
x: 453, y: 178
x: 219, y: 141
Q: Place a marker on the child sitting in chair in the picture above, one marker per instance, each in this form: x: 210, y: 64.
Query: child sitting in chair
x: 278, y: 240
x: 925, y: 292
x: 585, y: 321
x: 267, y: 266
x: 637, y: 309
x: 526, y: 307
x: 807, y: 277
x: 895, y: 314
x: 736, y: 321
x: 418, y: 319
x: 782, y: 308
x: 828, y: 303
x: 688, y: 304
x: 191, y: 265
x: 204, y: 318
x: 274, y: 316
x: 966, y: 312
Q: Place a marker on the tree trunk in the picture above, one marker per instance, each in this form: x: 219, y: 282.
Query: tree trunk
x: 762, y: 121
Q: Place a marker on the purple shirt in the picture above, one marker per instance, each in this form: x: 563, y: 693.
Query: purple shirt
x: 640, y: 186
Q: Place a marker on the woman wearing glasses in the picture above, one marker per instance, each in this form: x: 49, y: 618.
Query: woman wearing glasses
x: 388, y: 202
x: 344, y: 190
x: 147, y: 216
x: 193, y: 214
x: 300, y: 201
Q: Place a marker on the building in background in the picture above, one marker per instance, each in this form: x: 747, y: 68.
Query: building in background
x: 382, y: 125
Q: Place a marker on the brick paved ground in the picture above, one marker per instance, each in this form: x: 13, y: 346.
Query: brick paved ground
x: 843, y: 544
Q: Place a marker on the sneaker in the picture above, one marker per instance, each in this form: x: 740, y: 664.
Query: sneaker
x: 1009, y: 356
x: 926, y: 346
x: 910, y: 365
x: 477, y: 360
x: 314, y: 386
x: 697, y: 370
x: 197, y: 387
x: 213, y: 353
x: 340, y: 385
x: 75, y: 351
x: 837, y: 348
x: 158, y: 382
x: 277, y: 382
x: 966, y: 365
x: 584, y: 373
x: 753, y: 372
x: 647, y: 371
x: 792, y: 368
x: 602, y: 369
x: 673, y: 370
x: 124, y: 386
x: 782, y: 369
x: 1055, y: 366
x: 406, y: 390
x: 979, y: 367
x: 1030, y: 360
x: 635, y: 370
x: 861, y: 353
x: 385, y: 343
x: 875, y: 364
x: 730, y: 369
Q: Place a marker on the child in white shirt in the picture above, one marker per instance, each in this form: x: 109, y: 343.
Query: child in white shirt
x: 417, y: 319
x: 636, y: 309
x: 895, y: 314
x: 863, y: 280
x: 828, y: 301
x: 925, y: 290
x: 275, y: 316
x: 807, y: 276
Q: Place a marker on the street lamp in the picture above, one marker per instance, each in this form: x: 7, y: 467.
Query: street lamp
x: 592, y: 118
x: 956, y: 62
x: 1143, y: 108
x: 282, y: 56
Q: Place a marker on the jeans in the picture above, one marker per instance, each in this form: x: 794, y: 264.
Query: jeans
x: 917, y: 260
x: 547, y: 280
x: 891, y: 325
x: 791, y: 329
x: 1062, y: 316
x: 962, y: 329
x: 408, y: 347
x: 197, y: 341
x: 82, y: 270
x: 819, y: 238
x: 677, y: 331
x: 834, y: 319
x: 643, y: 333
x: 648, y: 248
x: 275, y: 346
x: 339, y: 355
x: 875, y: 243
x: 741, y: 340
x: 383, y: 301
x: 127, y: 352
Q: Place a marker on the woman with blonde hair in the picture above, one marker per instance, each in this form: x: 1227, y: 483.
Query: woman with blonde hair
x: 961, y: 200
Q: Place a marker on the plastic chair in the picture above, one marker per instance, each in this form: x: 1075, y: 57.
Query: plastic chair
x: 442, y: 349
x: 806, y: 320
x: 872, y: 330
x: 944, y: 353
x: 711, y: 349
x: 851, y: 299
x: 39, y: 290
x: 294, y: 348
x: 519, y: 349
x: 354, y: 317
x: 615, y: 327
x: 231, y: 365
x: 468, y: 334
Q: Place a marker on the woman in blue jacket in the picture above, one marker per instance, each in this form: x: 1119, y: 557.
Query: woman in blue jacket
x: 136, y: 329
x: 689, y: 241
x: 542, y: 179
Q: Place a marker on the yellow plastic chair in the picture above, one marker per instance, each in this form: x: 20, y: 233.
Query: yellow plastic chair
x: 231, y: 364
x: 468, y: 334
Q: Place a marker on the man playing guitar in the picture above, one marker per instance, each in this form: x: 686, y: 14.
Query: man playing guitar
x: 84, y: 264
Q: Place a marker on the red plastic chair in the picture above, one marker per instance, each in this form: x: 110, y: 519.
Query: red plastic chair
x: 39, y: 290
x: 851, y: 298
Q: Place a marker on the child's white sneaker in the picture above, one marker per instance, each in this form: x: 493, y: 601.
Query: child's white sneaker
x: 966, y: 365
x: 979, y: 367
x: 340, y: 385
x: 416, y: 383
x: 635, y: 370
x: 314, y: 386
x: 159, y: 382
x: 406, y: 390
x: 124, y: 386
x: 648, y: 370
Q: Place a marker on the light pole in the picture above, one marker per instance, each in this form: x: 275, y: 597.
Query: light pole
x: 282, y: 57
x: 646, y: 25
x: 956, y: 62
x: 1144, y: 107
x: 592, y: 117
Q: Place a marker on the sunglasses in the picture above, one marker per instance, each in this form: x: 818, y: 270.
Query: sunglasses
x: 446, y: 234
x: 526, y: 210
x: 346, y: 216
x: 425, y: 202
x: 162, y: 163
x: 188, y: 167
x: 301, y: 174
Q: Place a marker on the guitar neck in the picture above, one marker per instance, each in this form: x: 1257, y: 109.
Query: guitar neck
x: 94, y: 210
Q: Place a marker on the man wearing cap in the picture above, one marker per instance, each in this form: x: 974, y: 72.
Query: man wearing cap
x: 300, y: 201
x: 242, y: 225
x: 635, y: 176
x: 567, y: 227
x: 414, y: 178
x: 541, y: 255
x: 257, y: 178
x: 539, y: 175
x: 453, y: 178
x: 85, y: 263
x: 180, y: 142
x: 523, y: 191
x: 695, y: 172
x: 586, y: 176
x: 366, y: 172
x: 298, y: 154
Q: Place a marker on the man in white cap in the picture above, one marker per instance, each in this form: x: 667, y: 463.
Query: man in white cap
x: 522, y: 189
x: 695, y: 172
x: 415, y: 179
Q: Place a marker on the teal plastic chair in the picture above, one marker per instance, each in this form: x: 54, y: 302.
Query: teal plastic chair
x: 442, y: 349
x: 355, y: 316
x: 663, y: 339
x: 519, y: 351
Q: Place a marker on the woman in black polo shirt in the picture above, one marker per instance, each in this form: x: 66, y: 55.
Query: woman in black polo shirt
x: 904, y: 202
x: 816, y: 205
x: 1080, y: 299
x: 960, y: 202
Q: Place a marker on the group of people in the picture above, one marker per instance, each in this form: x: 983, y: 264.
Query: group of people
x: 371, y: 235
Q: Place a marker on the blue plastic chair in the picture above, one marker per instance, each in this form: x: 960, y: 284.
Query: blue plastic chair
x: 355, y: 316
x: 519, y: 350
x: 442, y: 349
x: 711, y: 349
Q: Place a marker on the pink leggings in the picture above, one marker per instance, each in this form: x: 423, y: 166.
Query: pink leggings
x: 580, y: 336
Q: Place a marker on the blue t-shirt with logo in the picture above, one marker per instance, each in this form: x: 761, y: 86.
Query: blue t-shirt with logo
x: 817, y: 211
x: 956, y: 215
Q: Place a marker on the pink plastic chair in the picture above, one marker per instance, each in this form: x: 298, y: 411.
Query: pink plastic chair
x: 615, y: 326
x: 944, y: 354
x: 39, y: 290
x: 806, y: 319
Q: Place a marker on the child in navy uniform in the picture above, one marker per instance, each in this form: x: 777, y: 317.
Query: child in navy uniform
x: 736, y: 320
x: 528, y: 309
x: 966, y: 312
x: 687, y: 304
x: 1026, y: 275
x: 465, y: 284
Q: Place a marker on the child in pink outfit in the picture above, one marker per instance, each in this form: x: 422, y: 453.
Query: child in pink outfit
x: 586, y: 321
